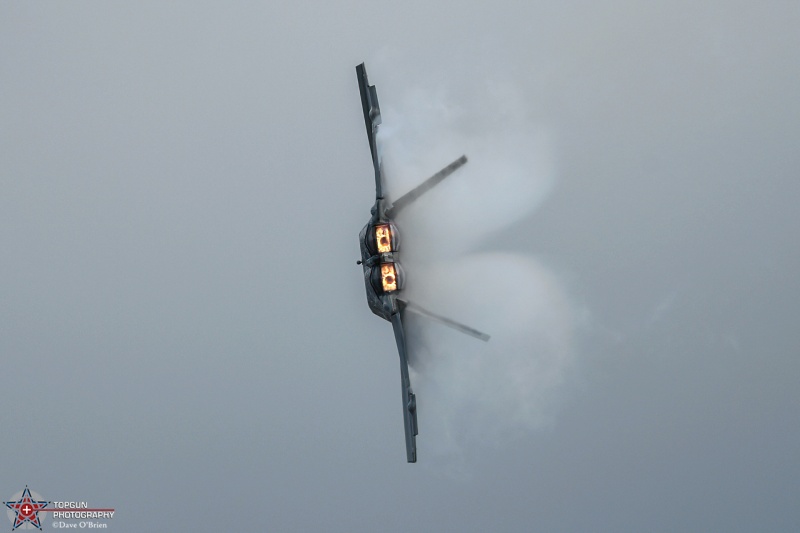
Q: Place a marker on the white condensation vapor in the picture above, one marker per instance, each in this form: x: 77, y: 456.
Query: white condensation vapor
x: 509, y: 169
x: 470, y: 392
x: 474, y: 392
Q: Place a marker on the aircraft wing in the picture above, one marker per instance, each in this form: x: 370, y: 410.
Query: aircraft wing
x: 372, y: 119
x: 409, y: 400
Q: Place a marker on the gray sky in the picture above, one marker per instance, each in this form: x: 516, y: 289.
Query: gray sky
x: 183, y: 326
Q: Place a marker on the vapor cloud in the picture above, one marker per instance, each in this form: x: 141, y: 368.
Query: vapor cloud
x: 470, y: 392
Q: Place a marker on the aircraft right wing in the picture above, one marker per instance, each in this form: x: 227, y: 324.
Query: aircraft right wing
x: 409, y: 400
x: 372, y: 119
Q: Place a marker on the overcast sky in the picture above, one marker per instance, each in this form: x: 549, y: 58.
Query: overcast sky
x: 183, y: 328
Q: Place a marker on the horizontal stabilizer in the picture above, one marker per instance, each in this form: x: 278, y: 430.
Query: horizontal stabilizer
x: 414, y: 308
x: 425, y: 186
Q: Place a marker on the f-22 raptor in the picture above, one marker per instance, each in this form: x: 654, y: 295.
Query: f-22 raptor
x: 383, y: 276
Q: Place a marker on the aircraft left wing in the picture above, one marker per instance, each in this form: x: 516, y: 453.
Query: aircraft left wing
x: 409, y: 400
x: 372, y: 119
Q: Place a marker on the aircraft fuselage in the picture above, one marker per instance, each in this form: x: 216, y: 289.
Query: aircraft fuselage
x: 383, y: 276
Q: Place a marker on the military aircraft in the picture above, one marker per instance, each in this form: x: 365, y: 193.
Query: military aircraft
x: 383, y: 276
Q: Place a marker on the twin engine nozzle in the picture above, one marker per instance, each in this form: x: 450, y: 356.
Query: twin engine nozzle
x: 383, y: 241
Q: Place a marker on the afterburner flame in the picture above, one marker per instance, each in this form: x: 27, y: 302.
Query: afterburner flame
x: 383, y: 236
x: 388, y: 277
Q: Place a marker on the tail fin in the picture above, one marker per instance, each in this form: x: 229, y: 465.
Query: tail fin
x: 414, y: 308
x: 425, y: 186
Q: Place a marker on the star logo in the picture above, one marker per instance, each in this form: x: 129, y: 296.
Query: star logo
x: 26, y: 509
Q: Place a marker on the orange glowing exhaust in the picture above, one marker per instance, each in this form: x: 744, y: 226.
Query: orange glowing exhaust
x: 388, y: 277
x: 383, y: 236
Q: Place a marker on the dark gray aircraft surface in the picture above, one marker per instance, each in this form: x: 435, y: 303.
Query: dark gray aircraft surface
x: 383, y: 275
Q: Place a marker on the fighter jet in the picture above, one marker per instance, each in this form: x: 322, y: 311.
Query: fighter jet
x: 383, y: 276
